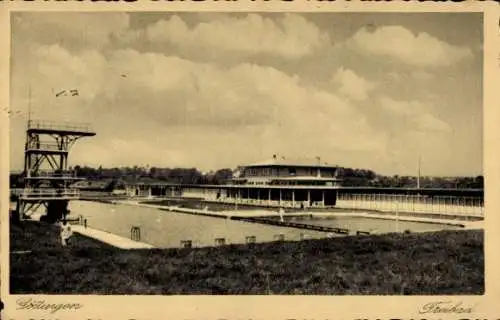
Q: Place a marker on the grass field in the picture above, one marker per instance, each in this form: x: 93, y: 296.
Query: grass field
x: 446, y: 262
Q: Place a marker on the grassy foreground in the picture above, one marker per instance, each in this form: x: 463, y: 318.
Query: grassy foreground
x: 446, y: 262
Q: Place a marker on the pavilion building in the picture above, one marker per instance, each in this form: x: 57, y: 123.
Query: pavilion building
x: 276, y: 182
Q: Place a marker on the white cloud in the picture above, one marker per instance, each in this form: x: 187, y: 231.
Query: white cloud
x: 422, y: 75
x: 291, y: 36
x: 91, y: 153
x: 192, y: 91
x: 144, y: 95
x: 73, y: 30
x: 393, y: 76
x: 352, y: 85
x: 421, y: 49
x: 413, y: 114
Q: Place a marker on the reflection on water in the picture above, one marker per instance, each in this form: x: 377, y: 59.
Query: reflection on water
x: 170, y: 229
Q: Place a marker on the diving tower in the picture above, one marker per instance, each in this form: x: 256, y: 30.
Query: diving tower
x: 47, y: 180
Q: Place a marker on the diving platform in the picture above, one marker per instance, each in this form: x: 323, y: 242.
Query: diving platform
x: 47, y: 146
x: 46, y: 194
x: 61, y: 128
x: 50, y: 175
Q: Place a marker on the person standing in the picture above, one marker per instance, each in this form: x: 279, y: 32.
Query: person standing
x: 281, y: 213
x: 66, y: 233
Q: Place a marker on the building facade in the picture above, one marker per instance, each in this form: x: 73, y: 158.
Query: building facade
x: 284, y: 183
x: 280, y: 171
x: 272, y: 183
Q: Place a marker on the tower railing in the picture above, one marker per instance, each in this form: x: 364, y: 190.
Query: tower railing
x: 52, y: 146
x: 52, y: 125
x: 47, y: 193
x: 53, y: 174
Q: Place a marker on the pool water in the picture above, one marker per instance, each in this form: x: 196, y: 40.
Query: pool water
x: 374, y: 225
x: 168, y: 229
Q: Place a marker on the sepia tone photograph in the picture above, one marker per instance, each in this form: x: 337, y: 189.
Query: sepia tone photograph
x: 246, y: 153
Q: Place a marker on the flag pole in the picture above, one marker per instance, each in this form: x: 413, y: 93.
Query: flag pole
x: 418, y: 178
x: 29, y: 104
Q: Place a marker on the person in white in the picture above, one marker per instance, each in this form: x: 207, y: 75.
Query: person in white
x: 282, y: 212
x: 66, y: 233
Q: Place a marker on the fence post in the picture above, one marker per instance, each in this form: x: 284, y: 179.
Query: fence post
x: 459, y: 206
x: 455, y: 205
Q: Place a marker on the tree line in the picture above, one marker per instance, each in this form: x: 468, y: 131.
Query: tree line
x: 368, y: 178
x: 172, y: 175
x: 351, y: 177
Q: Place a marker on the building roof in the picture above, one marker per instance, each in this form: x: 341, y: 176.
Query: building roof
x: 294, y: 178
x: 297, y: 162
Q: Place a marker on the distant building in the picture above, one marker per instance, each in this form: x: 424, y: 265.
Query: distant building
x: 281, y: 171
x: 283, y: 182
x: 277, y: 182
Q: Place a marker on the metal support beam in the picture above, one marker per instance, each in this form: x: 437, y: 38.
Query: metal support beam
x: 39, y: 151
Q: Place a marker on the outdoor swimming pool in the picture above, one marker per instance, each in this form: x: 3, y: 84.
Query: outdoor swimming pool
x: 373, y: 225
x: 168, y: 229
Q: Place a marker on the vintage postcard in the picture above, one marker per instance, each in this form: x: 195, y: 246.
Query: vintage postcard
x: 249, y: 160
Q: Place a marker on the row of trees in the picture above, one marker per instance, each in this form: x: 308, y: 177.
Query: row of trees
x: 367, y: 178
x: 173, y: 175
x: 351, y: 177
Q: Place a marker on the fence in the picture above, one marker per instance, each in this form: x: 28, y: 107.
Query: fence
x: 467, y: 206
x: 46, y: 146
x: 46, y: 193
x: 101, y: 195
x: 52, y: 125
x: 52, y: 174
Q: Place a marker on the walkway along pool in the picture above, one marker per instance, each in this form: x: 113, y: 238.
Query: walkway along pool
x: 168, y: 229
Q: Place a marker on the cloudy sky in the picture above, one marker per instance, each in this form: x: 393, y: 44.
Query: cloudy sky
x: 213, y: 90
